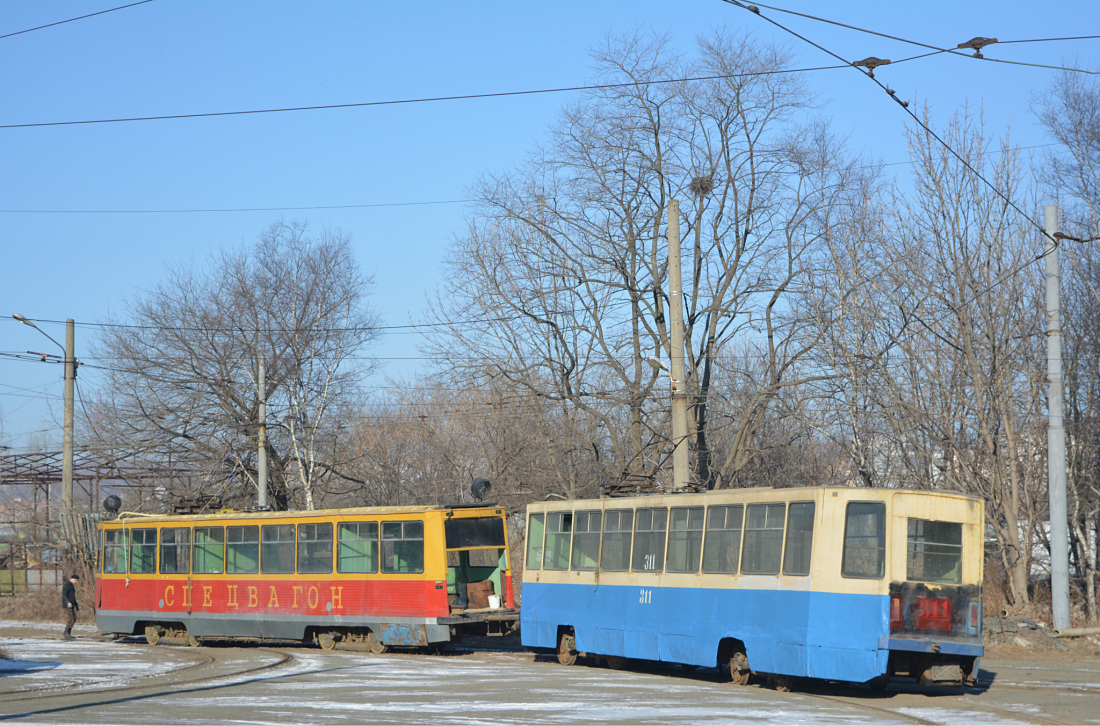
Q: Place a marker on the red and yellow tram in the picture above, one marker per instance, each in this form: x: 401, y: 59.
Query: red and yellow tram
x: 366, y: 577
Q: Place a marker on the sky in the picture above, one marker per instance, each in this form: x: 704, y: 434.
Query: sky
x: 91, y: 214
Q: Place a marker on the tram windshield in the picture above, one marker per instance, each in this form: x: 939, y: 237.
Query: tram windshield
x: 468, y: 532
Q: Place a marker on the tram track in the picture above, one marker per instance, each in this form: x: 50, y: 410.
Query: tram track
x: 212, y: 665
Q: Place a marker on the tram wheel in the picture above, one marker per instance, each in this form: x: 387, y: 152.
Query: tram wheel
x: 878, y: 683
x: 739, y: 669
x: 615, y: 662
x: 191, y: 639
x: 152, y: 634
x: 374, y: 645
x: 567, y: 650
x: 783, y: 683
x: 327, y: 641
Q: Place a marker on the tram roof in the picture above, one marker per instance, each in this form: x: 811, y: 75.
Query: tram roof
x: 755, y: 492
x: 134, y: 517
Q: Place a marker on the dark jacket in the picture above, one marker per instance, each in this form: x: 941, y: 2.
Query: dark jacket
x: 68, y: 596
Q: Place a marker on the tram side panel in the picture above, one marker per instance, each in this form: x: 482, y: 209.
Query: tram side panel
x: 789, y: 631
x: 264, y: 608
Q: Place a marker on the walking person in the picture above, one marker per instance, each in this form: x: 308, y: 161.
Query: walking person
x: 68, y: 602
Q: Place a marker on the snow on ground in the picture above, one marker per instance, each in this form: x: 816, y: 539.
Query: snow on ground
x: 949, y: 716
x: 449, y: 690
x: 353, y: 688
x: 50, y: 661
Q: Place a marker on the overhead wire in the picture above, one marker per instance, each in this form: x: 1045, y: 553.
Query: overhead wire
x: 937, y: 50
x: 73, y: 20
x: 1047, y: 40
x: 405, y: 101
x: 212, y: 329
x: 385, y: 329
x: 905, y: 107
x: 235, y: 209
x: 380, y: 204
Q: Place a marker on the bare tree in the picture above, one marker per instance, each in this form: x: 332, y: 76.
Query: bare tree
x: 181, y: 365
x: 564, y: 268
x: 430, y: 441
x: 1081, y: 316
x: 962, y: 376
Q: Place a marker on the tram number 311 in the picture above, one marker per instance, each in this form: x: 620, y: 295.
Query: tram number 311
x: 646, y: 597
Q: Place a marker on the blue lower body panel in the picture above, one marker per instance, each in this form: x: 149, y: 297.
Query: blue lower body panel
x: 799, y: 633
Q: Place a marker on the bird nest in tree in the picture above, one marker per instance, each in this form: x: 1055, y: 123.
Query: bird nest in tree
x: 702, y: 185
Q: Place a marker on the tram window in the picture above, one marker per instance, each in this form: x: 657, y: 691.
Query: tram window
x: 143, y: 551
x: 114, y: 550
x: 315, y: 548
x: 763, y: 547
x: 586, y: 540
x: 175, y: 550
x: 864, y: 540
x: 357, y: 547
x: 722, y: 543
x: 685, y: 539
x: 800, y: 536
x: 934, y: 551
x: 490, y: 558
x: 403, y: 547
x: 559, y: 533
x: 535, y: 531
x: 617, y: 527
x: 209, y: 550
x: 277, y: 549
x: 242, y: 550
x: 466, y: 532
x: 649, y: 540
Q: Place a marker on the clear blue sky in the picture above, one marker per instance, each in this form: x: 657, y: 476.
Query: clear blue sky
x: 69, y: 250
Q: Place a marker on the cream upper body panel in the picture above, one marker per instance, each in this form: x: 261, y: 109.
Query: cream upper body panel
x: 828, y: 538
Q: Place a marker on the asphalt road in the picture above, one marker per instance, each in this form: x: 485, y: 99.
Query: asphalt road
x: 94, y: 680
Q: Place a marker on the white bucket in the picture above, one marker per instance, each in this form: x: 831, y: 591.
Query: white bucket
x: 494, y: 601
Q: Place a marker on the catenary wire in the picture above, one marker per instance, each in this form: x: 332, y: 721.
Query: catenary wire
x: 904, y: 106
x: 379, y: 204
x: 1048, y: 242
x: 405, y: 101
x: 72, y: 20
x: 938, y: 50
x: 240, y: 209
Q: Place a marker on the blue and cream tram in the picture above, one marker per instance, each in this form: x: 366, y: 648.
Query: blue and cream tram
x: 847, y: 584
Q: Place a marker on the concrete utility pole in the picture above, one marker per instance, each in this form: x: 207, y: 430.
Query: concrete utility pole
x: 1056, y: 434
x: 680, y: 458
x: 261, y: 454
x: 67, y: 440
x: 67, y: 428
